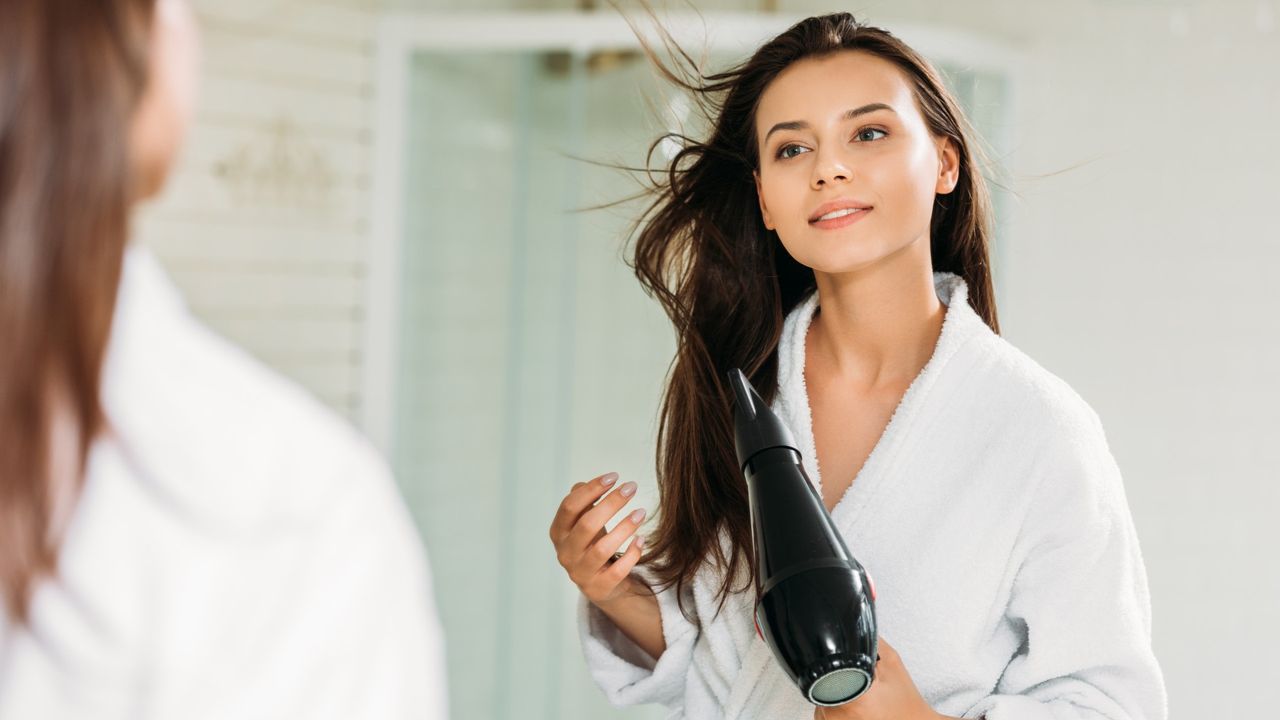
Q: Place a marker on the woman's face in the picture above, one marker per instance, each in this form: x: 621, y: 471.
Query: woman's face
x: 843, y: 131
x: 162, y: 117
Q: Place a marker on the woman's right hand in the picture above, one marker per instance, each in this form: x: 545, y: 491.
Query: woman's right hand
x: 585, y: 550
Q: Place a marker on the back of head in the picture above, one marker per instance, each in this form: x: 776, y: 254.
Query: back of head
x: 72, y: 73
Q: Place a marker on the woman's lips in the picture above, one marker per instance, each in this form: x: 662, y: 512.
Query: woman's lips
x: 842, y: 221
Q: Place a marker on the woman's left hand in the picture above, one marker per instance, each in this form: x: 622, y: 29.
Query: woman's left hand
x: 893, y: 696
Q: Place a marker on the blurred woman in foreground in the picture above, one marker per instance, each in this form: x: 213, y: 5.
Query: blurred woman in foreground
x: 183, y: 534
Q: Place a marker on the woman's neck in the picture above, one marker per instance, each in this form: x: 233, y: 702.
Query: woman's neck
x: 876, y: 327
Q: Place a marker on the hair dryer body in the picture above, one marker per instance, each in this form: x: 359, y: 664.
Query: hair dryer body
x: 816, y: 603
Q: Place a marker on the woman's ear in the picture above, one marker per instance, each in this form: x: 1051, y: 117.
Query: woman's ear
x: 764, y: 211
x: 948, y: 167
x: 165, y: 110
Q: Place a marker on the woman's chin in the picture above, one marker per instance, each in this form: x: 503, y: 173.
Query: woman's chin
x: 850, y: 260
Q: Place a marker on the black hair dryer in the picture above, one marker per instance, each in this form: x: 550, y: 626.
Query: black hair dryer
x: 815, y: 603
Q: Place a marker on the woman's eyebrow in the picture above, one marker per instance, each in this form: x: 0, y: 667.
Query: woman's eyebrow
x: 848, y: 115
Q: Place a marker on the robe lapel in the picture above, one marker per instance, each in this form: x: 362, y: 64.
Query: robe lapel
x: 754, y: 664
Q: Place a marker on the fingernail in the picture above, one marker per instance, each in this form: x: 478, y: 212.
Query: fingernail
x: 639, y: 542
x: 609, y: 479
x: 637, y: 516
x: 628, y: 489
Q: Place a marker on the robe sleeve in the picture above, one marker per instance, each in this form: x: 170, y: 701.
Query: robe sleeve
x: 1081, y: 595
x: 626, y: 673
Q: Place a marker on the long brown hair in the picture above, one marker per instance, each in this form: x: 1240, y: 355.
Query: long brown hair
x: 727, y: 283
x: 72, y: 73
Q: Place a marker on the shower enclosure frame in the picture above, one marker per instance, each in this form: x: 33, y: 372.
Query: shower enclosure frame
x: 401, y: 34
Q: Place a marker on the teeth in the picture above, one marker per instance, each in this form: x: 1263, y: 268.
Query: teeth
x: 839, y: 213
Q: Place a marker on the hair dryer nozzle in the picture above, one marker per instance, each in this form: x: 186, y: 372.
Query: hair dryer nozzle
x: 742, y: 394
x: 755, y: 426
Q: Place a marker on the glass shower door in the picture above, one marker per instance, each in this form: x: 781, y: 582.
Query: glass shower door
x: 529, y: 358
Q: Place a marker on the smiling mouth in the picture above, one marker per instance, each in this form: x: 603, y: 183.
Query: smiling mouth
x: 842, y: 212
x: 839, y: 218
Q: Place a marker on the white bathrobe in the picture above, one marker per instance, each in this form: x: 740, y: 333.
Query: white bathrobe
x: 237, y: 552
x: 993, y: 519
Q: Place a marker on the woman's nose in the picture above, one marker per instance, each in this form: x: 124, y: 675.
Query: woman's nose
x: 830, y: 168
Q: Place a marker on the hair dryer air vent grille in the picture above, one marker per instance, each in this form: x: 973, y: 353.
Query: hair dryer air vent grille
x: 838, y: 687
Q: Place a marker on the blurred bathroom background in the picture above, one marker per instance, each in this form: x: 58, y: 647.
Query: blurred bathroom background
x: 382, y: 199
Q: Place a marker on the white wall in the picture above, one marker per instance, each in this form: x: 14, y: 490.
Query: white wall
x: 265, y: 223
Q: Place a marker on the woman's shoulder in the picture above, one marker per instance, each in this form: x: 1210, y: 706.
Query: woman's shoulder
x: 1027, y: 390
x: 214, y: 427
x: 1005, y: 383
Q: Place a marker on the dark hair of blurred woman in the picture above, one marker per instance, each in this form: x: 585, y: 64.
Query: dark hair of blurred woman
x: 84, y: 133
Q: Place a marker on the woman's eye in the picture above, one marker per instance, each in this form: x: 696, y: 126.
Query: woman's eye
x: 783, y: 154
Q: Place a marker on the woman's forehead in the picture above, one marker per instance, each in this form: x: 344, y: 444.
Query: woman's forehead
x: 820, y: 89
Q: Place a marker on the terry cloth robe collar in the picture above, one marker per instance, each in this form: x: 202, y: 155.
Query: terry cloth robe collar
x: 960, y: 325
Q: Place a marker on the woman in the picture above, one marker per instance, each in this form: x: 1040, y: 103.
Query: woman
x: 184, y: 534
x: 830, y: 238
